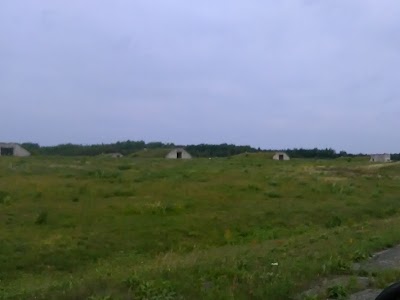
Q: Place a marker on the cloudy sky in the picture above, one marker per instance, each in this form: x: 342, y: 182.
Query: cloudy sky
x: 272, y: 74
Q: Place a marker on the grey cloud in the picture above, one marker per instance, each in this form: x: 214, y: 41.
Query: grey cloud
x: 267, y: 73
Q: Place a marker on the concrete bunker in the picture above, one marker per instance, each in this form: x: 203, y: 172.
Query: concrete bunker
x: 178, y: 153
x: 13, y: 149
x: 281, y: 156
x: 380, y: 158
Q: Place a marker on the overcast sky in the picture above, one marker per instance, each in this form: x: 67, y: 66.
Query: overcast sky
x: 271, y: 74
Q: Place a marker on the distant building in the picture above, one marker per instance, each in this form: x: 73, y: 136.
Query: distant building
x: 178, y: 153
x: 115, y: 155
x: 281, y: 156
x: 380, y: 158
x: 12, y: 149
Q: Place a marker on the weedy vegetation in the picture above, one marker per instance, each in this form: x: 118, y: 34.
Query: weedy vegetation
x: 244, y: 227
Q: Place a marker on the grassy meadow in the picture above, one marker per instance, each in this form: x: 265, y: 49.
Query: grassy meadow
x: 244, y: 227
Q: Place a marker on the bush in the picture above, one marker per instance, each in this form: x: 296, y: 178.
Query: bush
x: 127, y: 193
x: 273, y: 195
x: 335, y: 221
x: 150, y: 290
x: 336, y: 292
x: 124, y: 167
x: 4, y: 197
x: 41, y: 218
x: 360, y: 256
x: 253, y: 187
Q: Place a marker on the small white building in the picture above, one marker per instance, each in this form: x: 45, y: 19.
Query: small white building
x: 380, y: 158
x: 178, y: 153
x: 13, y: 149
x: 281, y: 156
x: 115, y: 155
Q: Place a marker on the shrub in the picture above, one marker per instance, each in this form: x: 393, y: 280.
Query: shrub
x: 41, y: 218
x: 4, y: 196
x: 334, y: 221
x: 128, y: 193
x: 124, y: 167
x: 150, y: 290
x: 336, y: 265
x: 336, y: 292
x: 100, y: 174
x: 253, y: 187
x: 100, y: 298
x: 360, y: 256
x: 273, y: 195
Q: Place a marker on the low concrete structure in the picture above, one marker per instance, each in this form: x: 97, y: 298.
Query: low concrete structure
x: 281, y: 156
x: 380, y: 158
x: 115, y: 155
x: 13, y: 149
x: 178, y: 153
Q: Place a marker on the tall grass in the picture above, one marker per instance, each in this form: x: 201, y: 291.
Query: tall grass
x: 243, y: 227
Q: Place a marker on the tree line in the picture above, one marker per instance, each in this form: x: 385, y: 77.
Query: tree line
x: 125, y: 148
x: 201, y: 150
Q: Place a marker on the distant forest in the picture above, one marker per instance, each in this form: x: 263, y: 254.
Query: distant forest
x: 201, y: 150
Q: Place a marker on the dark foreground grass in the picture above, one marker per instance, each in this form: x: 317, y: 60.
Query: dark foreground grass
x: 235, y: 228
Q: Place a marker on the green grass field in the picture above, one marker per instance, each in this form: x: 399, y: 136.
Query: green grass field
x: 244, y: 227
